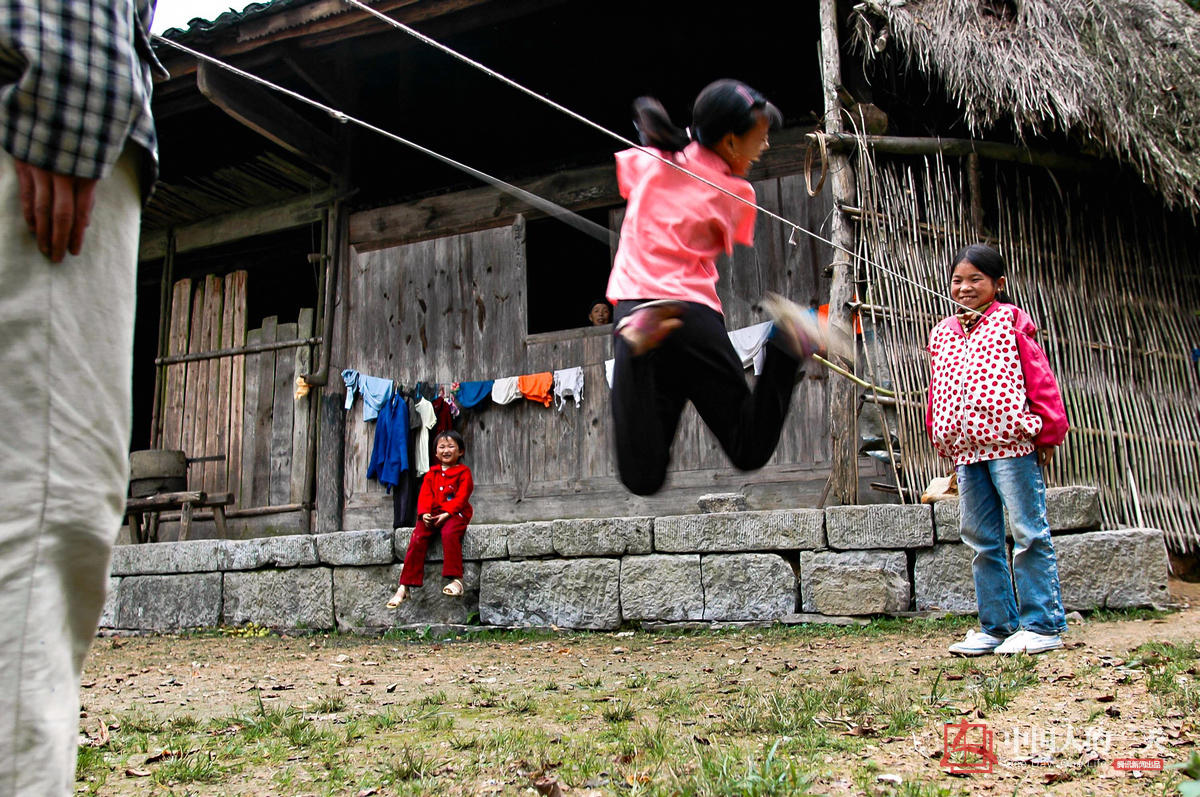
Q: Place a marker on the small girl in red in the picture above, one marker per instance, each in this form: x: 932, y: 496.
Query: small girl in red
x: 442, y: 504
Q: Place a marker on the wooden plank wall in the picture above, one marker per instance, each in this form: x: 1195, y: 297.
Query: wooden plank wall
x: 439, y: 310
x: 241, y: 407
x: 453, y: 308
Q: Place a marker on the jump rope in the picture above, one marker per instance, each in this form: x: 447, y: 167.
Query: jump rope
x: 552, y: 209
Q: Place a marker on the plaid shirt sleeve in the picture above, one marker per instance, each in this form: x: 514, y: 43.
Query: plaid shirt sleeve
x: 75, y: 83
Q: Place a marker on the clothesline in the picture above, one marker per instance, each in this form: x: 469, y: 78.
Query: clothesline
x: 544, y: 387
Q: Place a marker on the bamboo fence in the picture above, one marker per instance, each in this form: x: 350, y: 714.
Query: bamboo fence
x: 1112, y: 280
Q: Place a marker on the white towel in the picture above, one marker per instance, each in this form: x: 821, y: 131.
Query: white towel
x: 748, y: 343
x: 568, y: 383
x: 506, y: 390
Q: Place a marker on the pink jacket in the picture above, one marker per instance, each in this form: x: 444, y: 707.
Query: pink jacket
x: 992, y: 394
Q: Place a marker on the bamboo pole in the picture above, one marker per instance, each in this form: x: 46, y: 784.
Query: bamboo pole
x: 843, y: 403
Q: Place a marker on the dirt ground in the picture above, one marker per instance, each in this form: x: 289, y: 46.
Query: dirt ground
x: 1060, y: 733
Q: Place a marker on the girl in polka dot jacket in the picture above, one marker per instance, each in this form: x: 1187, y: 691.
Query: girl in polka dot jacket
x: 996, y: 411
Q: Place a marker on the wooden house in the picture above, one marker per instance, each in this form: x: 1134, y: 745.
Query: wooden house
x: 303, y: 245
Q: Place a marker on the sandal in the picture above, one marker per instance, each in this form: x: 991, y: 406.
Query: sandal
x: 649, y: 324
x: 400, y: 597
x: 454, y: 589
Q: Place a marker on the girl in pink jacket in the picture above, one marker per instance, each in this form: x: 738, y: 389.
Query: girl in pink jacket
x: 996, y: 411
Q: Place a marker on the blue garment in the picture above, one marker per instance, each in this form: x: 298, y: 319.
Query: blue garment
x: 472, y: 393
x: 987, y: 490
x: 375, y: 391
x: 389, y: 457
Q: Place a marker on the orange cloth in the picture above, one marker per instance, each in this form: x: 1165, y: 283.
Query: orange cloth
x: 537, y: 387
x: 823, y: 318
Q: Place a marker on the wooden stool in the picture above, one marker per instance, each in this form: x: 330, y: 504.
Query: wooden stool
x: 185, y: 502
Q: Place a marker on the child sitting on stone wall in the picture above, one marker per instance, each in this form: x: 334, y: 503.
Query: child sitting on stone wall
x: 444, y: 504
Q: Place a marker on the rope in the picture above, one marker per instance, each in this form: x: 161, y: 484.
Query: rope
x: 568, y: 217
x: 634, y: 145
x: 587, y: 226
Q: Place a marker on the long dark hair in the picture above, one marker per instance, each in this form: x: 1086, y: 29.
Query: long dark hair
x: 987, y: 260
x: 722, y: 107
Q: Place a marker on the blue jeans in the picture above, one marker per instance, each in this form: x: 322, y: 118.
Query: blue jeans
x: 986, y: 491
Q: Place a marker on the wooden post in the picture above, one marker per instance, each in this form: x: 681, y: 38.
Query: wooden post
x: 843, y: 404
x: 975, y: 185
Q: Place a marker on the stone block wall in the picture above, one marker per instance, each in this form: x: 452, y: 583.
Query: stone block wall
x: 719, y: 567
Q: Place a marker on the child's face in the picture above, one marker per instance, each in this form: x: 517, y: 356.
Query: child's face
x: 970, y: 286
x: 741, y: 151
x: 447, y: 451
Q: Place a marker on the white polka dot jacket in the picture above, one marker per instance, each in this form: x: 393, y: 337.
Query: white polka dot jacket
x: 992, y: 393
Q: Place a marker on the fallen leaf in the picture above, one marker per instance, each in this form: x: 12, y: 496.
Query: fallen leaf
x: 367, y: 792
x: 1055, y: 777
x: 1106, y: 698
x: 701, y: 740
x: 134, y: 772
x: 391, y: 688
x: 162, y: 755
x: 342, y: 658
x: 548, y: 786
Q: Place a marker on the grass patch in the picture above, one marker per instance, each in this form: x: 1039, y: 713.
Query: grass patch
x: 1171, y: 675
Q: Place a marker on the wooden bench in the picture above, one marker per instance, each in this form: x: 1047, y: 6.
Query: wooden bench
x: 186, y: 502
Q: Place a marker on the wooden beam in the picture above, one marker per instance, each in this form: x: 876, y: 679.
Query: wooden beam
x: 263, y: 112
x: 992, y: 150
x: 235, y: 226
x: 843, y: 399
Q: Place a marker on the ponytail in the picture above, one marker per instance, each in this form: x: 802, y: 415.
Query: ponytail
x: 724, y: 106
x: 654, y: 126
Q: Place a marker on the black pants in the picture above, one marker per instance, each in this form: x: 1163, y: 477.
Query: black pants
x: 695, y: 363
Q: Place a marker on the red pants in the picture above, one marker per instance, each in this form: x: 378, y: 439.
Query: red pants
x: 413, y: 573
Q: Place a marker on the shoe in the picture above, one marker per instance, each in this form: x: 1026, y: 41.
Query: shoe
x: 454, y: 589
x: 647, y: 326
x: 1029, y: 642
x: 798, y: 330
x: 400, y: 597
x: 977, y: 643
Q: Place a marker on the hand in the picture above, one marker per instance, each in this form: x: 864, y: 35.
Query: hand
x: 427, y: 519
x: 438, y: 520
x: 1044, y: 455
x: 57, y: 209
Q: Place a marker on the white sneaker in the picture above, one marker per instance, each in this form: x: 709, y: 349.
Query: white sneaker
x: 1029, y: 642
x: 977, y: 643
x: 799, y: 331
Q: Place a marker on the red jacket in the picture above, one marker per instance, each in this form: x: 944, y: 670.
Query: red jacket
x: 446, y: 491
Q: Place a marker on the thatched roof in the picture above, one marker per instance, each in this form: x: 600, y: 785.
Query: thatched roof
x: 1121, y: 76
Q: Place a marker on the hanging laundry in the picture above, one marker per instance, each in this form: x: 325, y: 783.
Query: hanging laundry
x: 748, y: 343
x: 471, y: 394
x: 537, y: 387
x: 506, y: 390
x: 568, y: 383
x: 375, y: 391
x: 446, y: 394
x: 389, y: 458
x: 428, y: 419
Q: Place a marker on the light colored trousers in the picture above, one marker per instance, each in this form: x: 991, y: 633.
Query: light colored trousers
x: 66, y: 343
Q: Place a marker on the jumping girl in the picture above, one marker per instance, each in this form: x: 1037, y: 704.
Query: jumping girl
x: 442, y: 504
x: 670, y: 338
x: 996, y: 411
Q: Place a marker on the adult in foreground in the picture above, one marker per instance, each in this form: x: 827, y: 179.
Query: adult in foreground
x: 79, y: 156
